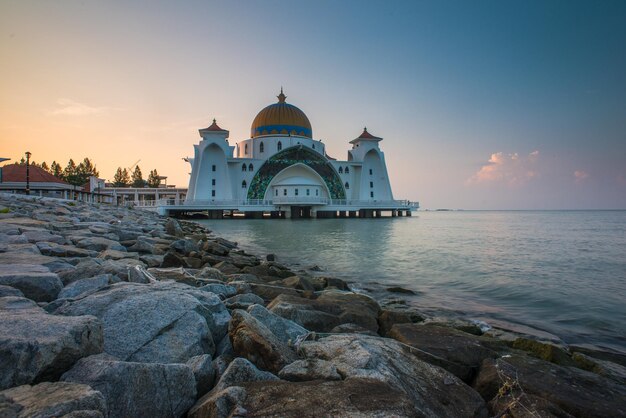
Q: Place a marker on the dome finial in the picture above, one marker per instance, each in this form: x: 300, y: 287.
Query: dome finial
x: 214, y: 121
x: 281, y: 96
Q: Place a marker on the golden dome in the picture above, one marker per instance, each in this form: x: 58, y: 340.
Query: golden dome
x: 281, y: 118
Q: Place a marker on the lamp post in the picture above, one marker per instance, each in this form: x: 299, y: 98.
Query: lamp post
x: 28, y: 172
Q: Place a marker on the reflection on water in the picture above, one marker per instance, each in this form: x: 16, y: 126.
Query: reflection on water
x: 562, y: 272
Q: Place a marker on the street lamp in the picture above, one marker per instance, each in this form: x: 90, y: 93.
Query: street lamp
x: 28, y: 172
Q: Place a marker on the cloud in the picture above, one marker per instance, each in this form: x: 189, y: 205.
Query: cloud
x: 509, y: 169
x: 70, y: 107
x: 580, y: 176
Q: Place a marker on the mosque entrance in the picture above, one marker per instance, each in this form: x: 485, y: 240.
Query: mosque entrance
x: 300, y: 212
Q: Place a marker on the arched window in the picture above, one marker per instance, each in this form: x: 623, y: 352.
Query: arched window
x: 250, y: 167
x: 276, y: 192
x: 261, y: 147
x: 244, y: 184
x: 244, y: 167
x: 245, y: 149
x: 313, y: 146
x: 347, y: 185
x: 280, y: 145
x: 340, y: 170
x: 317, y: 192
x: 347, y: 170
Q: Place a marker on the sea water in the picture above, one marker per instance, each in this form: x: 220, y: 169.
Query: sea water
x: 559, y: 272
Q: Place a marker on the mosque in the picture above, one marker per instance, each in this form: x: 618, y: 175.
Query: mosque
x: 282, y: 171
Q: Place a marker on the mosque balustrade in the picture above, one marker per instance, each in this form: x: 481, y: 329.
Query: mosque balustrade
x: 286, y: 200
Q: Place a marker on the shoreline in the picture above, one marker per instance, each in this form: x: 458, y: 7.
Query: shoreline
x: 110, y: 294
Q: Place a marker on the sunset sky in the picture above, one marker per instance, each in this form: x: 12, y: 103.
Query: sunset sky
x: 481, y: 104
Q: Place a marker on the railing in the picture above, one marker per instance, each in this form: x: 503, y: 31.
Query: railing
x: 295, y: 200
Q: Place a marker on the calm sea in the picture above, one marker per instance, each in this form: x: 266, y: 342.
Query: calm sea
x: 561, y: 272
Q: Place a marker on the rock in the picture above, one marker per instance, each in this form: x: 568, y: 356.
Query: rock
x: 60, y: 250
x: 164, y: 322
x: 575, y: 391
x: 458, y: 352
x: 514, y: 403
x: 285, y: 330
x: 432, y: 390
x: 43, y: 236
x: 242, y: 301
x: 296, y: 282
x: 184, y: 246
x: 36, y: 282
x: 227, y: 268
x: 254, y: 341
x: 35, y: 346
x: 270, y: 257
x: 350, y: 328
x: 220, y: 289
x: 241, y: 370
x: 215, y: 248
x: 137, y: 389
x: 310, y: 369
x: 271, y: 292
x: 470, y: 327
x: 330, y: 309
x: 203, y: 372
x: 54, y: 264
x: 51, y: 400
x: 389, y: 317
x: 84, y: 286
x: 543, y: 350
x: 11, y: 291
x: 85, y: 268
x: 99, y: 244
x: 398, y: 289
x: 172, y: 227
x: 144, y: 245
x: 151, y: 260
x: 605, y: 368
x: 193, y: 262
x: 173, y: 259
x: 211, y: 273
x: 349, y: 398
x: 117, y: 255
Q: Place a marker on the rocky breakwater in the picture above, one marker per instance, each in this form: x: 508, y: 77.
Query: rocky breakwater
x: 114, y: 312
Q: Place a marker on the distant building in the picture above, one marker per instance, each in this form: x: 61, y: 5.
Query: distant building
x: 41, y: 182
x: 283, y: 169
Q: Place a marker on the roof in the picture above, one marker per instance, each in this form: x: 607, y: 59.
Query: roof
x: 281, y: 118
x: 17, y: 173
x: 214, y: 127
x: 366, y: 135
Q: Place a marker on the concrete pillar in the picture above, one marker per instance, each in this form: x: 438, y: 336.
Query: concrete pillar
x: 408, y: 213
x: 378, y: 214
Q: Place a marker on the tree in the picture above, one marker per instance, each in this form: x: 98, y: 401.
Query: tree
x: 153, y: 179
x: 137, y: 178
x: 71, y: 174
x: 121, y: 178
x: 45, y: 166
x: 56, y: 170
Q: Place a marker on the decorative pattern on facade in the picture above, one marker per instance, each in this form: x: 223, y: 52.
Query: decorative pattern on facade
x: 288, y: 157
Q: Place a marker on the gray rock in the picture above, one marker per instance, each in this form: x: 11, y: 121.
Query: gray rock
x: 36, y: 282
x: 220, y: 289
x: 243, y: 301
x: 51, y: 400
x: 84, y: 286
x: 211, y: 273
x: 203, y: 372
x: 164, y: 322
x: 43, y: 236
x: 99, y: 244
x: 117, y: 255
x: 13, y: 239
x: 137, y: 389
x: 218, y: 404
x: 255, y: 342
x: 151, y: 260
x: 173, y: 259
x: 241, y: 370
x: 144, y: 244
x: 59, y: 250
x: 184, y: 246
x: 172, y: 227
x: 35, y: 346
x: 285, y: 330
x: 434, y: 391
x: 10, y: 291
x: 309, y: 369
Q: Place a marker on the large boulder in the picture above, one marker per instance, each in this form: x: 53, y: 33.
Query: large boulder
x: 251, y: 339
x: 285, y: 330
x: 164, y: 322
x: 137, y: 389
x: 36, y: 346
x: 456, y: 351
x: 83, y: 286
x: 434, y: 391
x: 577, y: 392
x: 331, y: 308
x: 241, y: 370
x: 348, y: 398
x: 10, y: 291
x: 36, y: 282
x: 96, y: 243
x: 49, y: 400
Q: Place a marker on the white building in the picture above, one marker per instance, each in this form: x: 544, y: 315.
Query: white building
x: 284, y: 171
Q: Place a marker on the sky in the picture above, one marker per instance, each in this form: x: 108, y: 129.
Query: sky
x: 482, y: 104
